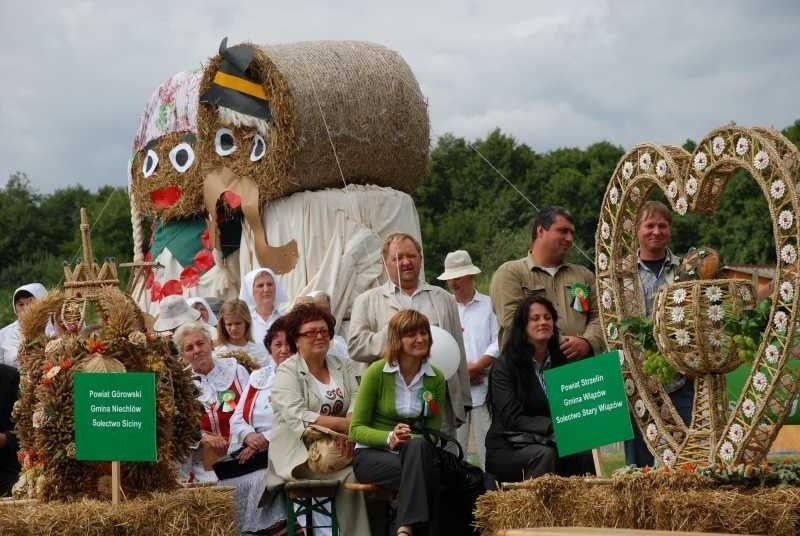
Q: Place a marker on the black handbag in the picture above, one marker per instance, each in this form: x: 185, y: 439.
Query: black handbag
x: 229, y: 465
x: 462, y: 483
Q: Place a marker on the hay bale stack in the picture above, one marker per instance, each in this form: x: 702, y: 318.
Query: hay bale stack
x: 676, y: 502
x: 364, y: 96
x: 191, y: 511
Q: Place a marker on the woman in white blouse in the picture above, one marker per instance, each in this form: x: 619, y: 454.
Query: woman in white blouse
x: 219, y: 382
x: 262, y: 292
x: 234, y: 332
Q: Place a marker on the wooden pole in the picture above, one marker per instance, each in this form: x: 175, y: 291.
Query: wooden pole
x: 115, y: 483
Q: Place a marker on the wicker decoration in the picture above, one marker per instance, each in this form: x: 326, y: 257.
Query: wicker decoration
x: 44, y: 410
x: 695, y: 182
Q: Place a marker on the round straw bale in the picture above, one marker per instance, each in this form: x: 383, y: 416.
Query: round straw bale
x: 355, y: 101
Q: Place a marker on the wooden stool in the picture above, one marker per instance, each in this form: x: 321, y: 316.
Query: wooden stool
x: 377, y: 493
x: 311, y: 496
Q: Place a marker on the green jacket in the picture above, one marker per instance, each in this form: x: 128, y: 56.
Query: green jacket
x: 374, y: 414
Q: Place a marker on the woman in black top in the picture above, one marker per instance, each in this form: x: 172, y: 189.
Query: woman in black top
x: 520, y: 442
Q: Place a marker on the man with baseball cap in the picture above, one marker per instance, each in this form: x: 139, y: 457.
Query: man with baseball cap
x: 479, y: 327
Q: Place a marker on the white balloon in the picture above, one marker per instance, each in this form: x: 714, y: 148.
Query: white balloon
x: 445, y: 354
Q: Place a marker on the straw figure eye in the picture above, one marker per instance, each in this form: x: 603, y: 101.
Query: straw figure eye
x: 224, y: 142
x: 182, y: 157
x: 150, y: 163
x: 259, y: 148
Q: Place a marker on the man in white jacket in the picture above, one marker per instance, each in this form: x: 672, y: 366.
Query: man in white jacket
x: 402, y: 257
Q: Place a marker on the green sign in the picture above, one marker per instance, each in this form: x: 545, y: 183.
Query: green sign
x: 737, y: 378
x: 115, y: 416
x: 588, y: 403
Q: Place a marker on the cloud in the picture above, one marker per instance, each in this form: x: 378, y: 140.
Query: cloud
x: 77, y: 74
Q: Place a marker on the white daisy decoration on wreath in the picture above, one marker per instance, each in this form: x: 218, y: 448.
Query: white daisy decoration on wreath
x: 786, y: 291
x: 639, y: 408
x: 759, y: 382
x: 785, y: 219
x: 651, y: 432
x: 682, y: 337
x: 715, y: 338
x: 627, y: 225
x: 718, y: 145
x: 681, y: 206
x: 761, y: 160
x: 726, y: 451
x: 736, y: 433
x: 607, y: 300
x: 645, y: 161
x: 613, y: 195
x: 715, y: 313
x: 678, y: 295
x: 677, y: 314
x: 612, y: 331
x: 605, y: 231
x: 777, y: 189
x: 672, y: 189
x: 627, y: 170
x: 630, y: 387
x: 745, y: 293
x: 748, y: 408
x: 772, y: 354
x: 50, y: 374
x: 713, y: 294
x: 668, y: 457
x: 788, y: 254
x: 635, y: 193
x: 602, y: 261
x: 693, y: 360
x: 691, y: 186
x: 742, y: 145
x: 661, y: 168
x: 781, y: 321
x: 700, y: 161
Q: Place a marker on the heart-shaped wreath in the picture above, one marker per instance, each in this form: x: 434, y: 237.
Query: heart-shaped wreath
x: 693, y: 339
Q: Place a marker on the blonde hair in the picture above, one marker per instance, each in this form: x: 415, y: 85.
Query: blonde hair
x: 235, y: 309
x: 654, y: 208
x: 400, y: 325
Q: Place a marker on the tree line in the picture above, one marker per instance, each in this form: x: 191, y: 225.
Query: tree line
x: 478, y: 195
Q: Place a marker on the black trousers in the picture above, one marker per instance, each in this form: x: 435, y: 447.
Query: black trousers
x: 413, y: 471
x: 517, y: 464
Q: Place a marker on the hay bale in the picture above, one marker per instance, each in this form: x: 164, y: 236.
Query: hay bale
x: 189, y: 511
x: 364, y: 96
x: 676, y: 502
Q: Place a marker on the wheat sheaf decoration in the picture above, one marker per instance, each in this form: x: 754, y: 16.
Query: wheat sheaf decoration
x: 688, y: 316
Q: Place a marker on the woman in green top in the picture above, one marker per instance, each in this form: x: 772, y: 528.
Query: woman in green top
x: 401, y: 389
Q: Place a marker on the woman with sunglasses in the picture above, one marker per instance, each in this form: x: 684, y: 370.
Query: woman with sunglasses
x: 313, y: 387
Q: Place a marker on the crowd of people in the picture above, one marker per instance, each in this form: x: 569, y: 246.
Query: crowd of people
x: 290, y: 395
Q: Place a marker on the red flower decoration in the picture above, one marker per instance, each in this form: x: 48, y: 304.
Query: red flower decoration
x: 155, y: 292
x: 66, y: 363
x: 204, y: 260
x: 190, y: 277
x: 205, y: 238
x: 47, y: 366
x: 96, y: 346
x: 172, y: 287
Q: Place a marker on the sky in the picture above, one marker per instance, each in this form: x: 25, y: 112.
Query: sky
x: 550, y: 73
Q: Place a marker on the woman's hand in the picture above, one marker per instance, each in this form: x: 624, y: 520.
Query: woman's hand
x: 214, y: 440
x: 246, y: 454
x: 400, y: 435
x: 256, y: 441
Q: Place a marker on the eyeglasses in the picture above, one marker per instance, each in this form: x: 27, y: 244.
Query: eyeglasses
x: 314, y: 333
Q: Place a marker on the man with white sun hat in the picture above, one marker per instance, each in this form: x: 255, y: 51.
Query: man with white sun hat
x: 479, y: 326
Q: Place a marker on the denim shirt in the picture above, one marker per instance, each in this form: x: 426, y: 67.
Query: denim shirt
x: 651, y: 281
